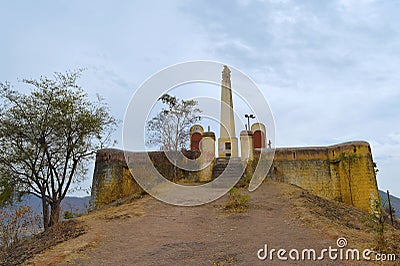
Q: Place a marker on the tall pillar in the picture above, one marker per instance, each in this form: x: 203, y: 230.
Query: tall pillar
x: 207, y: 157
x: 227, y: 142
x: 246, y: 146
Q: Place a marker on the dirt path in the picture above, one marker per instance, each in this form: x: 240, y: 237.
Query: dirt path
x: 149, y: 232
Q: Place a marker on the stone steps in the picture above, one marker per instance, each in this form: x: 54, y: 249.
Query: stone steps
x: 221, y: 166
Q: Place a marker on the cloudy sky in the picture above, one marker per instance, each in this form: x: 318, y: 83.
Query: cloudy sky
x: 329, y: 69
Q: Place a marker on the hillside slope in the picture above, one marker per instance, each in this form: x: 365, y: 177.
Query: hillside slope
x: 149, y: 232
x: 394, y: 201
x: 69, y: 203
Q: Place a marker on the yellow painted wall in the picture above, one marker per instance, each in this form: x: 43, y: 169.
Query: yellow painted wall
x: 343, y: 172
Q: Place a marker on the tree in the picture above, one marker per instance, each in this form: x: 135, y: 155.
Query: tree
x: 47, y: 137
x: 7, y: 190
x: 170, y: 128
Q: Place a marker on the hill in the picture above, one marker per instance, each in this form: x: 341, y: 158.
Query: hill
x: 281, y: 216
x: 393, y: 200
x: 72, y: 204
x: 76, y: 204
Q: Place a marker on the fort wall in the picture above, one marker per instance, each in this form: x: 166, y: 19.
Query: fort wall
x: 343, y: 172
x: 112, y: 179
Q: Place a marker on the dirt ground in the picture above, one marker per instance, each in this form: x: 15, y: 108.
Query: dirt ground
x: 149, y: 232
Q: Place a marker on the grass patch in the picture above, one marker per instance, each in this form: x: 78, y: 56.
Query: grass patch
x: 238, y: 202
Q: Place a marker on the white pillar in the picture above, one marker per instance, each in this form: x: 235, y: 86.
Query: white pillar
x: 227, y: 142
x: 246, y: 146
x: 207, y: 147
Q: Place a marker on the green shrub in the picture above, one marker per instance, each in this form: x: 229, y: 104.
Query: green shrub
x: 70, y: 214
x: 378, y: 220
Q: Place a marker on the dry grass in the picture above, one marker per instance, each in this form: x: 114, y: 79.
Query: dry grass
x: 341, y: 220
x: 237, y: 202
x: 26, y: 249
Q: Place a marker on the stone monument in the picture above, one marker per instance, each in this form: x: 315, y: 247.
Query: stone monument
x: 227, y: 142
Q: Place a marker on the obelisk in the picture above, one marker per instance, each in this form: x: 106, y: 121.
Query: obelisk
x: 227, y: 142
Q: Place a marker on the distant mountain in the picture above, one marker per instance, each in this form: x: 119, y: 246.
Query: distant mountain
x: 72, y: 204
x: 393, y: 200
x: 81, y: 204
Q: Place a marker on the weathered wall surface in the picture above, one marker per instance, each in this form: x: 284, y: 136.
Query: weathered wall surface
x: 112, y: 179
x: 343, y: 172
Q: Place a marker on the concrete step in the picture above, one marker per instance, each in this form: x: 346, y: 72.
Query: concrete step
x: 221, y: 167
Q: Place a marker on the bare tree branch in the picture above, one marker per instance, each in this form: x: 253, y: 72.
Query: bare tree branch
x: 169, y: 130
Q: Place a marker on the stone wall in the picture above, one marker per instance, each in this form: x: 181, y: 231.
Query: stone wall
x: 343, y: 172
x: 112, y: 179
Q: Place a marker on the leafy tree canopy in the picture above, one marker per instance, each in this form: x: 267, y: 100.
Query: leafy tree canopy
x: 47, y: 137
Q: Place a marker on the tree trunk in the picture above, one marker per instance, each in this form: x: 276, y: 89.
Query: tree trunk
x: 45, y: 209
x: 54, y: 213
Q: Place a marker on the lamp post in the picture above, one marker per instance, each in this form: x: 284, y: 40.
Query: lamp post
x: 248, y: 116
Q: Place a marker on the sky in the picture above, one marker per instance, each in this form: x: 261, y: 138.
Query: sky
x: 329, y: 69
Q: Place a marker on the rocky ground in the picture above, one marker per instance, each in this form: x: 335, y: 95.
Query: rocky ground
x: 149, y: 232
